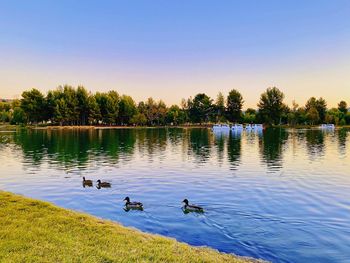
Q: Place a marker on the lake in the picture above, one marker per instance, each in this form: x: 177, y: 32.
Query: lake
x: 282, y: 195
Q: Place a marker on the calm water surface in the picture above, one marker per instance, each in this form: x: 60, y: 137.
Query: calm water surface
x: 281, y: 195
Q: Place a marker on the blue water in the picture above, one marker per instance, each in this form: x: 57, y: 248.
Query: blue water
x: 280, y: 195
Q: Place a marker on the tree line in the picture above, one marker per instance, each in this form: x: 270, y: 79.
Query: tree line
x: 67, y: 105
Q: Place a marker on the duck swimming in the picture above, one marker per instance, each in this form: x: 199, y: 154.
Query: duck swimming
x: 87, y: 182
x: 102, y: 184
x: 132, y: 205
x: 191, y: 208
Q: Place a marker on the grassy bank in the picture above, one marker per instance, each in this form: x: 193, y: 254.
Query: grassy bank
x: 36, y: 231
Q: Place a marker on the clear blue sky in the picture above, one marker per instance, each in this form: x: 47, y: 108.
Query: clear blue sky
x: 171, y: 50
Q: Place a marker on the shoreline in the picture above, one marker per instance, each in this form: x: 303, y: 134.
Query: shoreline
x: 63, y: 235
x: 115, y: 127
x: 95, y: 127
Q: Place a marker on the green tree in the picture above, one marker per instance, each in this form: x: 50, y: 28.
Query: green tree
x: 83, y: 105
x: 5, y: 116
x: 343, y: 107
x: 271, y: 105
x: 5, y: 106
x: 161, y: 113
x: 15, y: 103
x: 249, y: 116
x: 301, y: 115
x: 251, y: 111
x: 141, y: 107
x: 51, y: 103
x: 138, y: 119
x: 175, y: 115
x: 319, y: 104
x: 94, y: 114
x: 61, y: 111
x: 5, y: 111
x: 200, y: 108
x: 220, y: 107
x: 334, y: 116
x: 313, y: 116
x: 285, y: 113
x: 185, y: 110
x: 127, y: 109
x: 101, y: 99
x: 311, y: 103
x: 150, y: 111
x: 19, y: 116
x: 109, y: 106
x: 347, y: 118
x: 321, y: 107
x: 293, y: 114
x: 33, y: 104
x: 62, y: 105
x: 112, y: 106
x: 70, y: 105
x: 342, y: 122
x: 234, y: 105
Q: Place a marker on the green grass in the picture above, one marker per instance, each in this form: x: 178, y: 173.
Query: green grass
x: 36, y: 231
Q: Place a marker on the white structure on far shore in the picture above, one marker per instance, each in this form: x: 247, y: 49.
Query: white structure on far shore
x: 238, y: 127
x: 327, y: 126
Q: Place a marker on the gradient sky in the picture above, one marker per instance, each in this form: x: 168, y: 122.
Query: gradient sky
x: 173, y: 50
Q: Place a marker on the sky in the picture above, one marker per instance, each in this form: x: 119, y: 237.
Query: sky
x: 171, y: 50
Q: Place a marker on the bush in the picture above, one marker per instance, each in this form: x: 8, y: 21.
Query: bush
x: 342, y: 122
x: 5, y: 116
x: 19, y: 116
x: 347, y: 118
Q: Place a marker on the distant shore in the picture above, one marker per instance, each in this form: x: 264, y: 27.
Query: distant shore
x: 101, y: 127
x: 96, y: 127
x: 36, y: 231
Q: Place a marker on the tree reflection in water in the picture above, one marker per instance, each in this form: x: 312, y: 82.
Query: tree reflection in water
x: 234, y: 149
x: 271, y: 147
x: 342, y: 138
x: 314, y: 143
x: 70, y: 149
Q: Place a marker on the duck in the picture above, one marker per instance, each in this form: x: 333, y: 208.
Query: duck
x: 191, y: 208
x: 87, y: 182
x: 103, y: 184
x: 132, y: 205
